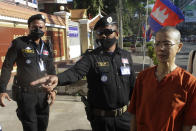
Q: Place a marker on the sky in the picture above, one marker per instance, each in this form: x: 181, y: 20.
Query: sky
x: 69, y: 0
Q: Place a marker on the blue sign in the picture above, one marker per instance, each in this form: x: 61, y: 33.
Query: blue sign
x: 34, y: 1
x: 73, y: 32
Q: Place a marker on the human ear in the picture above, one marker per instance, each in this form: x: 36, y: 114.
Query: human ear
x: 117, y: 34
x: 180, y: 45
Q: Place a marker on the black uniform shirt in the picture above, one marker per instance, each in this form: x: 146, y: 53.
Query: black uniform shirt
x: 110, y: 77
x: 23, y: 52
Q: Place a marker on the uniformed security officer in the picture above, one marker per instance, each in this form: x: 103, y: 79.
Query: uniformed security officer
x: 34, y: 60
x: 110, y: 78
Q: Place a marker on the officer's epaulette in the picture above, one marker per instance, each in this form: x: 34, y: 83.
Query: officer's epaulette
x: 88, y: 51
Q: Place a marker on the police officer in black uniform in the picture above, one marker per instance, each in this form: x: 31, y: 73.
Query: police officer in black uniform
x: 34, y: 60
x: 110, y: 78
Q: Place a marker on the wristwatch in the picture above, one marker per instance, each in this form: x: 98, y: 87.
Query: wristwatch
x: 54, y: 91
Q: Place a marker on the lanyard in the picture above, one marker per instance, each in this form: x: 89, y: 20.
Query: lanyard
x: 40, y: 53
x: 40, y: 62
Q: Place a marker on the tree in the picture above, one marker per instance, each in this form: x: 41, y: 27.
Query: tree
x: 134, y: 15
x: 133, y: 11
x: 92, y: 6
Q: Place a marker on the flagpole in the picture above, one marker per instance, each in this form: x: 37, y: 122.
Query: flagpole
x: 144, y: 42
x: 120, y: 25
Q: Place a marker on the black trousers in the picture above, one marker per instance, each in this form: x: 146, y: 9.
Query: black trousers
x: 33, y: 111
x: 119, y: 123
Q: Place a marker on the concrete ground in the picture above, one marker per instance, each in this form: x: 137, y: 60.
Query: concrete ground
x: 66, y: 114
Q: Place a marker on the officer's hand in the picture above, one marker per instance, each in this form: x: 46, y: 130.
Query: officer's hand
x: 49, y: 82
x: 2, y: 96
x: 51, y: 97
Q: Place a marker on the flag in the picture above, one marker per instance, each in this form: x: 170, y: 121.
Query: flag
x: 143, y: 30
x: 147, y: 33
x: 164, y: 13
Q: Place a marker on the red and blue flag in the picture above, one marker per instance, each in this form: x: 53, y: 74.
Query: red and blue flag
x: 164, y: 13
x: 147, y: 33
x: 143, y: 30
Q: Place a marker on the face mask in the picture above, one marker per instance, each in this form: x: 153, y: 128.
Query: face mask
x: 36, y: 33
x: 107, y: 43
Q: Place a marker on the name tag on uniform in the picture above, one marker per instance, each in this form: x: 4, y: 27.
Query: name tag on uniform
x: 41, y: 65
x: 125, y: 70
x: 101, y: 64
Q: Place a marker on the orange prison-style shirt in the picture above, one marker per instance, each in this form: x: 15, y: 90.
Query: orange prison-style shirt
x: 164, y: 105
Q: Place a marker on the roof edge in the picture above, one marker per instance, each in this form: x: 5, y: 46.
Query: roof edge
x: 95, y: 18
x: 13, y: 19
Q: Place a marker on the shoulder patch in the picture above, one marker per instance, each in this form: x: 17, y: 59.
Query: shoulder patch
x: 88, y: 51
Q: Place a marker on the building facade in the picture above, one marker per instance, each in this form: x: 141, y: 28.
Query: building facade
x: 188, y: 27
x: 182, y: 3
x: 51, y: 6
x: 32, y: 4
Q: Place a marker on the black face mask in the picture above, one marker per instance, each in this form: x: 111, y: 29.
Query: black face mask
x: 107, y: 43
x: 36, y: 33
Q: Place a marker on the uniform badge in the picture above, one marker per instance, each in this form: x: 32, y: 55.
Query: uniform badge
x: 45, y: 52
x: 125, y: 70
x: 43, y: 17
x: 125, y: 61
x: 109, y: 19
x: 101, y: 64
x: 28, y: 48
x: 104, y: 78
x: 28, y: 61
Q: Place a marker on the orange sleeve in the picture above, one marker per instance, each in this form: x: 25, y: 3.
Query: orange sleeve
x: 190, y: 111
x: 132, y: 105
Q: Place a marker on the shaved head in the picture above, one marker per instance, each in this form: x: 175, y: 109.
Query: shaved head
x: 170, y: 29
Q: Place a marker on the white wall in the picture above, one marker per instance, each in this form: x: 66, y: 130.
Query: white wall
x: 74, y: 38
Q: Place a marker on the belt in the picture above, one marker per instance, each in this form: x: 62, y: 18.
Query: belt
x: 110, y: 113
x: 32, y: 89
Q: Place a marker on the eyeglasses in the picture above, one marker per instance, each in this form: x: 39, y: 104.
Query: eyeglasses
x: 166, y: 44
x: 107, y: 32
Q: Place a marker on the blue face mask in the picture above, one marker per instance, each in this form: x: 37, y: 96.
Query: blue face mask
x: 107, y: 43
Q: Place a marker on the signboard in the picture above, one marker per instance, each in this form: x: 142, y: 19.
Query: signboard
x: 73, y: 32
x: 75, y: 47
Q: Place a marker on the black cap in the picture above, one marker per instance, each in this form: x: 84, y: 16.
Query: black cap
x: 104, y: 21
x: 36, y: 17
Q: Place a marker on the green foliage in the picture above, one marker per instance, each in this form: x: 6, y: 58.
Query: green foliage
x: 138, y: 44
x: 133, y: 12
x: 151, y: 52
x: 92, y: 6
x: 128, y: 44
